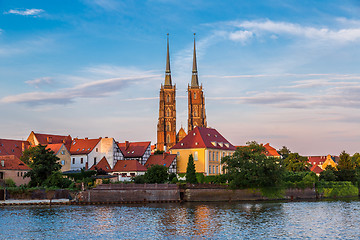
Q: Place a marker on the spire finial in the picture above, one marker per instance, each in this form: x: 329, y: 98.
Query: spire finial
x: 194, y: 78
x: 168, y: 71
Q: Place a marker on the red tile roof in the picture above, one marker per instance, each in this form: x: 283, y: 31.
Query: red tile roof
x: 129, y: 166
x: 55, y: 147
x: 316, y: 169
x: 202, y: 137
x: 316, y: 160
x: 83, y: 146
x: 133, y: 149
x: 11, y: 162
x: 160, y: 159
x: 45, y: 139
x: 270, y: 151
x: 13, y: 147
x: 103, y: 164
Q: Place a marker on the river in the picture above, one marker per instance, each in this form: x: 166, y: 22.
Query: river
x: 267, y: 220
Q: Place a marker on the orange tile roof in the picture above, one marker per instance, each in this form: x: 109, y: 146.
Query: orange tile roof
x: 103, y: 164
x: 133, y: 149
x: 13, y: 147
x: 83, y: 146
x: 270, y: 151
x: 11, y: 162
x: 160, y: 159
x: 202, y: 137
x: 55, y: 147
x: 45, y: 139
x: 316, y: 169
x: 129, y: 166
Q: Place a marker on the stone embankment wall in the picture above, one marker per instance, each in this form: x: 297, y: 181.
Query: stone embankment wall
x: 118, y: 193
x: 216, y: 195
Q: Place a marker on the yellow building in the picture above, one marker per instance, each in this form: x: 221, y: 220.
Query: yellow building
x: 207, y: 146
x: 329, y: 162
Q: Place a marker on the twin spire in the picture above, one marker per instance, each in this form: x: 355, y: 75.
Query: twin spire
x: 194, y: 77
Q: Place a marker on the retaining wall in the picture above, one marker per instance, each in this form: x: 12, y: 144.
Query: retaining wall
x: 117, y: 193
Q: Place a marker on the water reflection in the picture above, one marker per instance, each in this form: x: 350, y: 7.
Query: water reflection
x: 291, y: 220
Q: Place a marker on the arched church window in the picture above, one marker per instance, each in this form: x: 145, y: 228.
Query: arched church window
x: 168, y: 127
x: 195, y: 113
x: 194, y: 95
x: 168, y: 112
x: 168, y: 98
x: 168, y: 138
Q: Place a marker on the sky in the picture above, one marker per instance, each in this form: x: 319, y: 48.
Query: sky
x: 283, y: 72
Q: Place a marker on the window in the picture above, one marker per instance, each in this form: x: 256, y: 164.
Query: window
x: 209, y: 169
x: 168, y: 112
x: 213, y: 158
x: 18, y: 174
x: 63, y: 162
x: 96, y: 149
x: 195, y: 113
x: 168, y: 138
x: 168, y: 98
x: 168, y: 126
x: 94, y: 160
x: 213, y: 169
x: 132, y: 174
x: 217, y: 156
x: 209, y: 155
x: 63, y: 152
x: 1, y: 175
x: 217, y: 169
x: 178, y: 154
x: 81, y: 160
x: 195, y: 156
x: 73, y: 160
x: 194, y: 95
x: 123, y: 174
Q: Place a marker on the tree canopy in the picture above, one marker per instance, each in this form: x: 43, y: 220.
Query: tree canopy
x: 44, y: 167
x: 191, y: 171
x: 296, y: 163
x: 284, y: 152
x: 250, y: 167
x: 156, y: 174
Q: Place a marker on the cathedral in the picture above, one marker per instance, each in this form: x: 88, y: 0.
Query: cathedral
x: 166, y: 128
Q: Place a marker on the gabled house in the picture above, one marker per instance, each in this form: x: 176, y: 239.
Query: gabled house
x: 139, y: 151
x: 127, y: 169
x: 207, y: 146
x: 316, y: 169
x: 270, y: 151
x: 63, y: 154
x: 11, y: 167
x: 44, y: 139
x: 165, y: 159
x: 88, y: 152
x: 13, y: 147
x: 102, y: 165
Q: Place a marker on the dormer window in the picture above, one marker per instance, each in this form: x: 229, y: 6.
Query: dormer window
x: 83, y: 149
x: 209, y: 134
x: 215, y: 135
x: 89, y: 149
x: 194, y: 134
x: 74, y: 142
x: 196, y: 143
x: 182, y: 144
x: 132, y: 152
x: 227, y: 145
x: 221, y: 144
x: 213, y: 143
x: 78, y: 149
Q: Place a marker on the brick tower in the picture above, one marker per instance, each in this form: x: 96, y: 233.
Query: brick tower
x: 166, y: 128
x: 196, y: 100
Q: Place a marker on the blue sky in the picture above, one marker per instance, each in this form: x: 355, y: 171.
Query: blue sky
x: 284, y: 72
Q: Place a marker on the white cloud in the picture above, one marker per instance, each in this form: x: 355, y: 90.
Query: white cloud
x: 38, y: 82
x: 254, y: 28
x: 95, y: 89
x: 26, y: 12
x: 241, y: 36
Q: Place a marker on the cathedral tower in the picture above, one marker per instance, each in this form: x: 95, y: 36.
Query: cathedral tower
x: 196, y: 100
x: 166, y: 128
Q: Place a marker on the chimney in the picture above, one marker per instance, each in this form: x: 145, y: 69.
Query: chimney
x: 127, y: 144
x: 2, y: 163
x: 86, y: 138
x: 86, y: 166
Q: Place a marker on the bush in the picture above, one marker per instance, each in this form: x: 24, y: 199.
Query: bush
x: 156, y: 174
x: 56, y: 180
x: 9, y: 182
x: 172, y: 176
x: 337, y: 189
x: 139, y: 179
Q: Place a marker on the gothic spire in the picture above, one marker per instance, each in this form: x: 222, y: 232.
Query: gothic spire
x: 194, y: 77
x: 167, y: 71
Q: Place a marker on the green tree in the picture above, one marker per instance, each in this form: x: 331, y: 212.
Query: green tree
x: 356, y: 160
x: 284, y: 152
x: 346, y: 168
x: 158, y: 152
x: 249, y: 167
x: 43, y: 164
x: 296, y: 163
x: 157, y: 174
x: 190, y: 171
x: 328, y: 174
